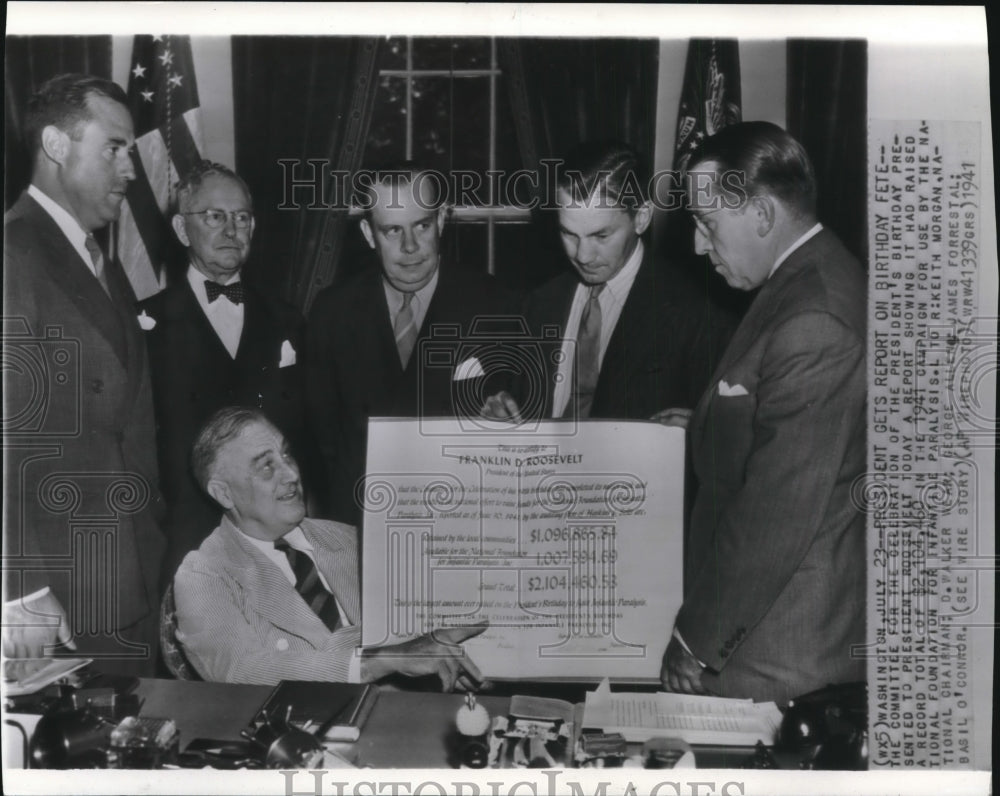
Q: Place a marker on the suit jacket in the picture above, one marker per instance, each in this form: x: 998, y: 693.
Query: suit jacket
x: 354, y: 371
x: 775, y: 582
x: 194, y: 376
x: 80, y: 479
x: 240, y: 620
x: 660, y: 355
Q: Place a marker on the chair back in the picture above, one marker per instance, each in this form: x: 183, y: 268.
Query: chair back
x: 171, y: 649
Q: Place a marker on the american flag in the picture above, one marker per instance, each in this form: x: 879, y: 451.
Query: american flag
x: 163, y: 99
x: 710, y: 97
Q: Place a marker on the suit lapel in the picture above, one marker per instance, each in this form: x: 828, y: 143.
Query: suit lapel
x: 135, y: 344
x: 627, y: 344
x: 336, y: 568
x: 560, y: 304
x: 69, y: 273
x: 269, y: 591
x: 760, y: 312
x: 384, y: 339
x: 257, y: 337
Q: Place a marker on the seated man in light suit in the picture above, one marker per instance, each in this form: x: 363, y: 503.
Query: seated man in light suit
x: 774, y: 591
x: 271, y: 595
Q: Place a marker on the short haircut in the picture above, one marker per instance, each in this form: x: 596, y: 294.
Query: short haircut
x: 611, y: 171
x: 194, y: 177
x: 403, y: 172
x: 223, y: 426
x: 770, y: 161
x: 63, y: 102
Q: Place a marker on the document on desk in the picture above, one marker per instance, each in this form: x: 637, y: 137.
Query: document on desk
x: 566, y: 537
x: 694, y: 719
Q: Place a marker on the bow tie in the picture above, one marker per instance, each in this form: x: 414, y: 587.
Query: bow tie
x: 233, y: 291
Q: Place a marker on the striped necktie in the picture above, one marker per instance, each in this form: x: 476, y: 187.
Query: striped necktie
x: 97, y: 258
x: 405, y: 329
x: 588, y: 356
x: 309, y: 585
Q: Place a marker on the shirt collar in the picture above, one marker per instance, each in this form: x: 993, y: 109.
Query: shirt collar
x: 70, y: 226
x: 809, y: 234
x: 295, y: 538
x: 423, y: 296
x: 620, y: 284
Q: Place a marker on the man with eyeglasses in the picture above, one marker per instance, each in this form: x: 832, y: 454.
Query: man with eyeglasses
x: 774, y: 587
x: 215, y: 341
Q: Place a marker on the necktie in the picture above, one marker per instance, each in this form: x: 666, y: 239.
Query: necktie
x: 233, y: 291
x: 97, y: 258
x: 405, y: 329
x: 588, y: 356
x: 308, y: 584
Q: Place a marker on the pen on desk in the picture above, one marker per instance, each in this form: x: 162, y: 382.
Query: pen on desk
x: 361, y: 704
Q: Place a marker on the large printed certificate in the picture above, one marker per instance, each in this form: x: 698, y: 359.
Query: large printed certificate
x: 565, y: 537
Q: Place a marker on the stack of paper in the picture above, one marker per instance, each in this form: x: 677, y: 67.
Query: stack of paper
x: 28, y: 675
x: 695, y: 719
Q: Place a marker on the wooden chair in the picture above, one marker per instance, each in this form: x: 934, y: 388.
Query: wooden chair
x: 171, y: 649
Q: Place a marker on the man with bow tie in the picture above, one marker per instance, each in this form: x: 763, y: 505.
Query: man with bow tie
x: 81, y: 501
x: 215, y: 341
x: 272, y: 595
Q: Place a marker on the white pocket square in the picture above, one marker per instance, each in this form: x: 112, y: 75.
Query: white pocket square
x: 469, y: 369
x: 731, y: 392
x: 287, y: 355
x: 145, y: 322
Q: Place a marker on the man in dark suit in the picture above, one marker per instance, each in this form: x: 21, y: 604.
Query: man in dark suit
x: 399, y: 341
x: 636, y: 338
x: 775, y: 577
x: 80, y: 476
x: 215, y: 341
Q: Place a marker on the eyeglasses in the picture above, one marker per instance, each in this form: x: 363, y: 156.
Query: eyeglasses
x: 215, y: 218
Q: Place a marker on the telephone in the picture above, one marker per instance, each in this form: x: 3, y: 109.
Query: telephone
x: 828, y: 728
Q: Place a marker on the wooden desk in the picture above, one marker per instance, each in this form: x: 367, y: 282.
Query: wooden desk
x: 407, y: 729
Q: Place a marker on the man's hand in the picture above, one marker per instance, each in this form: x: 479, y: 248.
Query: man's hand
x: 673, y: 417
x: 681, y: 671
x: 501, y: 406
x: 32, y: 627
x: 439, y: 653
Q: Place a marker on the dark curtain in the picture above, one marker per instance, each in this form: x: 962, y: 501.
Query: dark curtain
x: 565, y: 91
x: 300, y: 99
x: 29, y: 62
x: 827, y: 112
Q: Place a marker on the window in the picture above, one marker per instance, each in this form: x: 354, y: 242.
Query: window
x: 443, y: 101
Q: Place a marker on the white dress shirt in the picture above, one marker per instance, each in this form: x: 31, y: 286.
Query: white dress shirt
x: 70, y: 227
x: 611, y: 299
x: 226, y: 318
